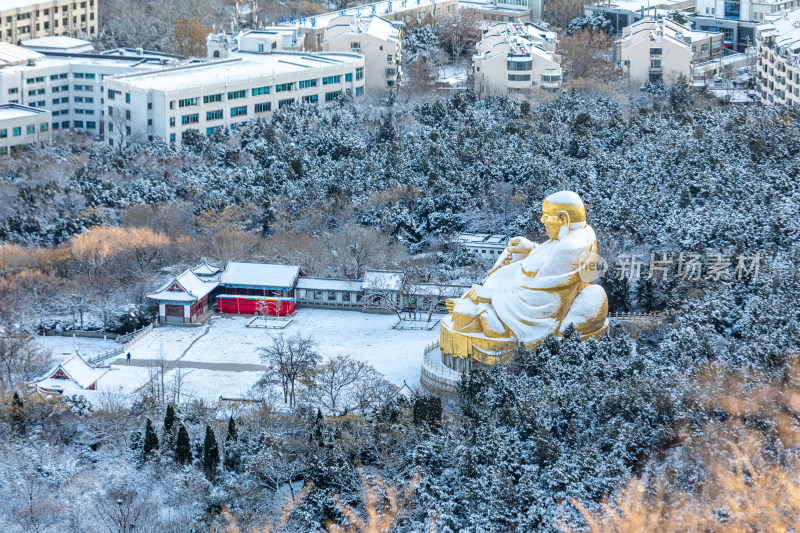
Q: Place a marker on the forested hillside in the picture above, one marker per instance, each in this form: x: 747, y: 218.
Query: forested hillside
x: 521, y: 445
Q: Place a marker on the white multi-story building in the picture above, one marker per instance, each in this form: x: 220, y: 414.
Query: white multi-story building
x: 21, y: 125
x: 663, y: 50
x: 376, y: 38
x: 778, y: 43
x: 623, y: 13
x: 514, y: 57
x: 28, y: 19
x: 402, y: 11
x: 70, y: 85
x: 224, y: 94
x: 737, y: 19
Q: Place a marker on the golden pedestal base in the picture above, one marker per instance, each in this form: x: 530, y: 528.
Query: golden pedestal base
x: 486, y: 350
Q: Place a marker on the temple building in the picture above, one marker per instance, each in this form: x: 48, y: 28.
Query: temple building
x: 254, y: 288
x: 186, y: 299
x: 74, y: 374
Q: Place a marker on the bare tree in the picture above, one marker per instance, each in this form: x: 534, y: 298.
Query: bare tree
x: 333, y: 384
x: 20, y: 360
x: 354, y: 249
x: 587, y: 54
x: 288, y: 358
x: 459, y: 32
x: 34, y: 511
x: 123, y: 510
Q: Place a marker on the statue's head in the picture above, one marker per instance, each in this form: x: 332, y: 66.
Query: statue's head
x: 562, y: 211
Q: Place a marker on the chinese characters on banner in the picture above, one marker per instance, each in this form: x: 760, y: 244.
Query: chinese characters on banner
x: 689, y: 267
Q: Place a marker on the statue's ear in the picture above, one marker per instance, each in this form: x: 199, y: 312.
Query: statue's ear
x: 563, y: 218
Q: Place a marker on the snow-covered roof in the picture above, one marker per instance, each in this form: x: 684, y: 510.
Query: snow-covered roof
x: 260, y: 275
x: 10, y: 111
x: 14, y: 55
x: 78, y: 375
x: 244, y: 67
x: 518, y: 41
x: 376, y: 26
x: 383, y: 280
x: 482, y: 240
x: 204, y: 269
x: 433, y: 289
x: 385, y: 7
x: 58, y: 43
x: 785, y: 28
x: 328, y: 284
x: 185, y: 288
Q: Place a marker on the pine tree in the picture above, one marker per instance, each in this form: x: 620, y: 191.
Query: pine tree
x: 183, y: 448
x: 233, y: 433
x: 210, y: 454
x: 17, y: 414
x: 150, y: 439
x: 169, y: 419
x: 316, y: 430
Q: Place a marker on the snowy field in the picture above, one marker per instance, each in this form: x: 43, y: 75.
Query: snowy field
x: 63, y: 347
x: 226, y: 343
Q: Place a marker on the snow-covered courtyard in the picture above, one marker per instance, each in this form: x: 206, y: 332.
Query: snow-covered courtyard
x: 221, y: 358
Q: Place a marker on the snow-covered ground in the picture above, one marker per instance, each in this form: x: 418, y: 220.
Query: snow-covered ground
x: 397, y: 354
x: 63, y: 347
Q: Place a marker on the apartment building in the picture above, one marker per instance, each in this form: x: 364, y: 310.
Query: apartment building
x: 225, y: 93
x: 29, y: 19
x: 498, y: 12
x: 21, y: 125
x: 778, y: 44
x: 737, y: 19
x: 401, y: 11
x: 623, y: 13
x: 377, y: 39
x: 516, y: 57
x: 663, y: 50
x: 68, y: 85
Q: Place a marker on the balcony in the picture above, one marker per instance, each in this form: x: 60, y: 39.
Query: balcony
x: 391, y: 72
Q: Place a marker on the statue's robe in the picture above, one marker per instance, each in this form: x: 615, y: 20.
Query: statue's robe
x: 533, y: 297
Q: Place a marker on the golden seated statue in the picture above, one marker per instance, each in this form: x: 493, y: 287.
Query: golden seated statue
x: 532, y: 291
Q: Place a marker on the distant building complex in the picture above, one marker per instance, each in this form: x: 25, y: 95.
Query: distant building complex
x: 225, y: 93
x: 515, y: 57
x: 66, y: 80
x: 275, y: 290
x: 29, y: 19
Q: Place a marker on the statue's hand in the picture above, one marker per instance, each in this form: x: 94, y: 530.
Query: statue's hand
x: 450, y: 304
x: 520, y: 245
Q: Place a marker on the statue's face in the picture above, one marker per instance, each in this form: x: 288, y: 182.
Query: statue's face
x: 553, y: 221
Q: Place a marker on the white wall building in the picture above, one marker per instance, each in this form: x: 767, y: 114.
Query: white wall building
x: 376, y: 38
x: 21, y: 125
x: 69, y: 85
x: 514, y: 57
x: 224, y: 94
x: 28, y: 19
x: 622, y: 13
x: 778, y: 44
x: 403, y: 11
x: 663, y: 50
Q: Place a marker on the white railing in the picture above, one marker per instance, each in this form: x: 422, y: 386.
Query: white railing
x: 97, y: 359
x: 637, y: 316
x: 129, y: 339
x: 436, y: 377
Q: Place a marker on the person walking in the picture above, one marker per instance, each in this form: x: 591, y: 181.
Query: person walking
x: 128, y: 358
